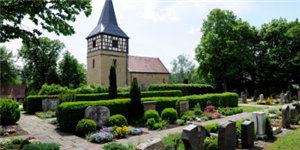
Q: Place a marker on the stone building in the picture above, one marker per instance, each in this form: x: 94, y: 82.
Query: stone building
x: 107, y: 45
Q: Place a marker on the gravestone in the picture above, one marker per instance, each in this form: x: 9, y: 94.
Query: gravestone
x: 247, y: 134
x: 298, y: 94
x: 285, y: 116
x: 227, y: 136
x: 281, y: 98
x: 246, y: 93
x: 100, y: 114
x: 261, y: 96
x: 259, y: 119
x: 193, y: 137
x: 184, y: 106
x: 286, y: 98
x: 255, y: 96
x: 294, y: 113
x: 149, y: 105
x: 49, y: 104
x: 152, y: 144
x: 244, y: 99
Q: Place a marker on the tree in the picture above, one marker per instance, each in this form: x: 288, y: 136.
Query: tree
x: 71, y: 72
x: 224, y: 48
x: 185, y: 80
x: 8, y: 70
x: 52, y: 76
x: 53, y: 16
x: 136, y: 106
x: 182, y: 67
x: 38, y: 59
x: 112, y: 83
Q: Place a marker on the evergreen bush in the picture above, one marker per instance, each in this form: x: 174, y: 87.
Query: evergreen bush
x: 10, y: 112
x: 42, y: 146
x: 136, y: 107
x: 198, y: 112
x: 170, y: 114
x: 113, y: 83
x: 150, y: 123
x: 117, y: 120
x: 114, y: 146
x: 151, y: 114
x: 85, y: 126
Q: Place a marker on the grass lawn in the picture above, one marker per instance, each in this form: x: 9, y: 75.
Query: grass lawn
x: 250, y: 108
x: 289, y: 141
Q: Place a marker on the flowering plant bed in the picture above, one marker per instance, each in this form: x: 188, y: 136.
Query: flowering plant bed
x: 12, y: 130
x: 48, y: 114
x: 17, y: 143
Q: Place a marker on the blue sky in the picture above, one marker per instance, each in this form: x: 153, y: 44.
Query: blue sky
x: 162, y: 28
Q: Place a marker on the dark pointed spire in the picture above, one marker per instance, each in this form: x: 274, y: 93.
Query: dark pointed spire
x: 108, y: 22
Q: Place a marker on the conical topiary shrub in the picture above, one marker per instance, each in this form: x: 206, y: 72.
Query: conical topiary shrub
x: 136, y: 107
x: 112, y: 83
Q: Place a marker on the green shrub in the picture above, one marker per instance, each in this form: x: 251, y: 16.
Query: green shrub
x: 42, y: 146
x: 280, y: 108
x: 180, y: 122
x: 112, y: 83
x: 12, y: 146
x: 198, y: 112
x: 150, y: 123
x: 210, y: 143
x: 214, y: 127
x: 207, y: 130
x: 136, y: 107
x: 170, y: 114
x: 269, y: 130
x: 184, y: 118
x: 114, y: 146
x: 24, y: 104
x: 18, y: 140
x: 85, y: 126
x: 113, y: 129
x: 187, y: 89
x: 117, y: 120
x: 185, y: 80
x: 157, y: 125
x: 151, y: 114
x: 52, y: 89
x: 10, y: 112
x: 273, y: 111
x: 54, y: 121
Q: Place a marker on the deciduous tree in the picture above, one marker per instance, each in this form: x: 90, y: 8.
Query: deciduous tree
x: 8, y: 69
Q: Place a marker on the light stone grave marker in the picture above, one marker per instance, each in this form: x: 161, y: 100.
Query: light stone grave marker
x: 261, y: 96
x: 227, y: 136
x: 152, y: 144
x: 193, y: 137
x: 49, y: 104
x: 259, y: 119
x: 281, y: 98
x: 247, y: 134
x: 286, y: 98
x: 100, y: 114
x: 285, y: 116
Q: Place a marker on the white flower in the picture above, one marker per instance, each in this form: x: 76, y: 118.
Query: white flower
x: 34, y: 141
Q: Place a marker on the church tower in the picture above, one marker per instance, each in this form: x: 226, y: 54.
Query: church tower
x: 107, y: 45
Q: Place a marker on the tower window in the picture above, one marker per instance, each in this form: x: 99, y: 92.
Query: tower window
x: 94, y: 43
x: 115, y: 62
x: 93, y: 63
x: 164, y: 81
x: 115, y: 43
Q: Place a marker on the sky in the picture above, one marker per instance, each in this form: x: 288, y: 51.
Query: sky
x: 164, y: 28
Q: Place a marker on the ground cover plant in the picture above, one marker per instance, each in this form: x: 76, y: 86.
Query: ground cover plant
x: 29, y: 143
x: 48, y: 114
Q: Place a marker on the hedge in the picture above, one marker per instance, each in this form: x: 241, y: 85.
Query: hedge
x: 69, y: 113
x: 187, y: 89
x: 35, y: 102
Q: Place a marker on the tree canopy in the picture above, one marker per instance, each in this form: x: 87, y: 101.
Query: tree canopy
x: 8, y: 69
x: 52, y: 15
x: 38, y: 59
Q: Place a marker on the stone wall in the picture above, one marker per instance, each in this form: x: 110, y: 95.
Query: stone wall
x: 103, y: 60
x: 147, y: 78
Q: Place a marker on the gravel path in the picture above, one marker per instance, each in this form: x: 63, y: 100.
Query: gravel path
x: 47, y: 133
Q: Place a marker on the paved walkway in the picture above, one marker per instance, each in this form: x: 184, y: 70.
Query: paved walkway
x: 47, y: 133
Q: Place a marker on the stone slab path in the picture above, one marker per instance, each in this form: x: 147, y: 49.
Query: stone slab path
x: 47, y: 133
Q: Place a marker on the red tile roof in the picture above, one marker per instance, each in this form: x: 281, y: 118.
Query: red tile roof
x: 9, y: 91
x: 146, y: 65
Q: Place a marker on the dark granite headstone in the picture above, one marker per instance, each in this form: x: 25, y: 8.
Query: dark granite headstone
x: 193, y: 137
x: 255, y: 96
x: 298, y: 94
x: 184, y: 106
x: 246, y: 93
x: 285, y: 116
x: 247, y: 134
x: 244, y: 99
x: 100, y: 114
x: 286, y: 98
x: 227, y: 136
x: 294, y: 113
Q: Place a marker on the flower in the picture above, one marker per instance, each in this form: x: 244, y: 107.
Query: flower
x: 101, y: 137
x: 106, y: 129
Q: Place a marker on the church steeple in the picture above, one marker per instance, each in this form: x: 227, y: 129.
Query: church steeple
x: 107, y: 23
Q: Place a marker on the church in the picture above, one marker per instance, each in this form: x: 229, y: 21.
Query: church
x: 108, y: 45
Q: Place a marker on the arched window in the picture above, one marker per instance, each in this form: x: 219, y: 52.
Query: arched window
x: 164, y: 80
x: 115, y: 62
x: 93, y: 63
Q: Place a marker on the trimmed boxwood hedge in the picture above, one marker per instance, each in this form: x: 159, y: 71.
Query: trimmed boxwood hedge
x: 34, y: 102
x: 69, y: 113
x: 187, y: 89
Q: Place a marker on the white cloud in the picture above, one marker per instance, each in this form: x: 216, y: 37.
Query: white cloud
x: 155, y: 12
x: 193, y: 30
